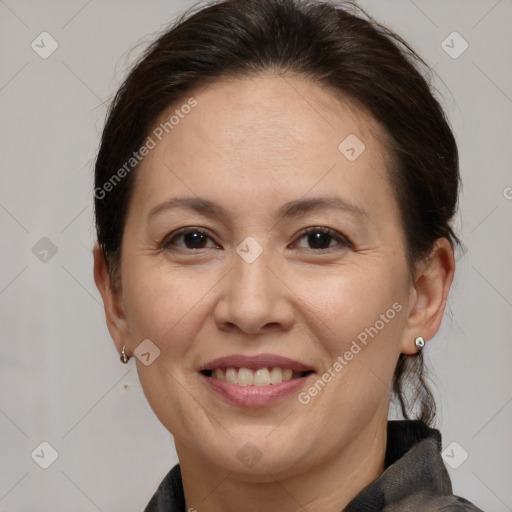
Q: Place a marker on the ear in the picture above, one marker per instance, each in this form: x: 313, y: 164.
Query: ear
x: 112, y: 302
x: 429, y: 293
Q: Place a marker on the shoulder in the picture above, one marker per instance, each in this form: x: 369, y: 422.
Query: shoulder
x: 423, y: 502
x: 462, y: 505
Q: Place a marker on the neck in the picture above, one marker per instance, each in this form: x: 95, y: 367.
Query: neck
x: 320, y: 486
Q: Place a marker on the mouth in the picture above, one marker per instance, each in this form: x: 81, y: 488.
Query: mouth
x: 260, y: 377
x: 255, y: 381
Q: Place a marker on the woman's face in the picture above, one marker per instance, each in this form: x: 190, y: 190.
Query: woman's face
x: 259, y: 163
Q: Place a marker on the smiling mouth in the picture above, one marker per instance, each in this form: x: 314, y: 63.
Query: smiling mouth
x: 260, y: 377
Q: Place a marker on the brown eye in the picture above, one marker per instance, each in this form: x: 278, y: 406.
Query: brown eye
x: 190, y: 238
x: 320, y: 238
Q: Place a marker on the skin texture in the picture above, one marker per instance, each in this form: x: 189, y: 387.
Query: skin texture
x: 251, y: 145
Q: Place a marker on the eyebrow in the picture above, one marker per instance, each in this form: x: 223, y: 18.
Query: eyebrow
x: 288, y: 210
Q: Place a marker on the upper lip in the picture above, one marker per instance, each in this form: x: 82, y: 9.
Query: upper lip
x: 256, y: 362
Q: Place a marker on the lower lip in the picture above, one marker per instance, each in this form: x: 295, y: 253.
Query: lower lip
x: 255, y: 396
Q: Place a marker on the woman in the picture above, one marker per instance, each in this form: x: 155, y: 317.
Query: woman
x: 274, y: 191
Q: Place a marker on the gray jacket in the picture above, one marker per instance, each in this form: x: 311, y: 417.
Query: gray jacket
x: 415, y: 478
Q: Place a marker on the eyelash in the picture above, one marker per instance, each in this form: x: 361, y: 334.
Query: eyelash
x: 338, y: 237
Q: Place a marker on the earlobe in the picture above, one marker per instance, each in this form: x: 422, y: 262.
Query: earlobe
x: 112, y: 301
x: 433, y: 279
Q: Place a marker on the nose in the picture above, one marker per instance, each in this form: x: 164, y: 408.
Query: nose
x: 255, y: 298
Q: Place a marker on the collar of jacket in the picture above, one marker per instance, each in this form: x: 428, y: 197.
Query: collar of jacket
x: 415, y: 478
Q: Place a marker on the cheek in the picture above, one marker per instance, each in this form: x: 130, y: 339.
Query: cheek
x: 358, y: 319
x: 169, y: 306
x: 165, y: 310
x: 165, y: 306
x: 357, y: 301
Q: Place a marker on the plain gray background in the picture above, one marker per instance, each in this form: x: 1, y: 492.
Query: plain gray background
x: 60, y: 377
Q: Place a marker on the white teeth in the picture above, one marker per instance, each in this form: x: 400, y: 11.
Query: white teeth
x: 276, y: 376
x: 260, y: 377
x: 245, y: 377
x: 231, y: 376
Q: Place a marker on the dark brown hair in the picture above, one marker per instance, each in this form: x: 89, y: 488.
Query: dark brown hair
x: 347, y: 52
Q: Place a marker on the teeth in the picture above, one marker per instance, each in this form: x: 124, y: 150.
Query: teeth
x: 276, y: 376
x: 231, y: 376
x: 245, y: 377
x: 261, y: 377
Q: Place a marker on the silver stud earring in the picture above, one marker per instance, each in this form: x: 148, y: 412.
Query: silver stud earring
x: 124, y: 358
x: 419, y: 342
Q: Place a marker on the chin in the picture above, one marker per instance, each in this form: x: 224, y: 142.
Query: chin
x: 259, y: 458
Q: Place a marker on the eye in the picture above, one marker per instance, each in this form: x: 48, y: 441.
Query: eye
x: 318, y: 239
x: 192, y: 238
x: 321, y: 238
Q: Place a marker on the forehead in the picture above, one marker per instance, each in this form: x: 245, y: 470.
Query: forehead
x: 282, y: 112
x: 266, y: 136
